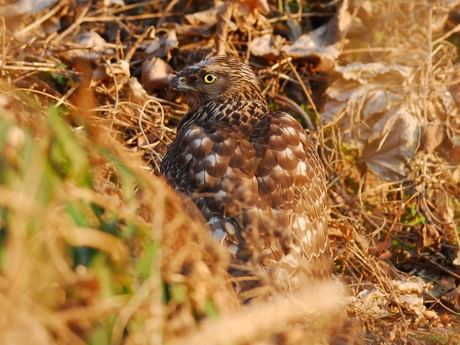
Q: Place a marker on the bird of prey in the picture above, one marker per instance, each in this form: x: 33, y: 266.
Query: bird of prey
x: 252, y: 172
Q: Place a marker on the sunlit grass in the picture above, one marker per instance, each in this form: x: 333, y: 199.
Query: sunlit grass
x: 81, y: 231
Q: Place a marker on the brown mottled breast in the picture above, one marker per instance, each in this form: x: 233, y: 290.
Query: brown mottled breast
x: 258, y: 181
x: 252, y: 172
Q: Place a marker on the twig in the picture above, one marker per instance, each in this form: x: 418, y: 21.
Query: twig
x: 74, y: 26
x: 297, y: 108
x: 302, y: 85
x: 447, y: 34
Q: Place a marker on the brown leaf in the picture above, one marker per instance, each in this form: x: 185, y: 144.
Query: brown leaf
x: 94, y: 41
x: 205, y: 17
x: 381, y: 250
x: 392, y: 144
x: 428, y: 238
x: 443, y: 205
x: 155, y: 74
x: 136, y: 92
x: 312, y: 43
x: 249, y: 6
x: 453, y: 298
x: 385, y: 255
x: 433, y: 136
x: 267, y: 46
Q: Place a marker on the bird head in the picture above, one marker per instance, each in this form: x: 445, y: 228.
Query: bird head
x: 215, y: 78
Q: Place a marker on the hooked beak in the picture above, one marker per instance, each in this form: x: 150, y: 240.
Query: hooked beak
x: 179, y: 83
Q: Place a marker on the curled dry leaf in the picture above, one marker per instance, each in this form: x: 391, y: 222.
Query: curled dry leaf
x: 365, y: 73
x: 163, y: 46
x: 153, y: 46
x: 453, y: 298
x: 103, y: 71
x: 22, y: 7
x: 310, y: 44
x: 443, y: 205
x: 373, y: 301
x: 156, y: 74
x: 430, y: 315
x: 249, y: 6
x: 428, y: 238
x: 267, y: 46
x: 136, y: 92
x: 381, y: 250
x: 391, y: 144
x: 203, y: 17
x: 455, y: 177
x: 319, y: 43
x: 412, y: 303
x: 408, y: 287
x: 374, y: 118
x: 433, y: 136
x: 409, y: 295
x: 171, y: 42
x: 110, y: 3
x: 95, y: 42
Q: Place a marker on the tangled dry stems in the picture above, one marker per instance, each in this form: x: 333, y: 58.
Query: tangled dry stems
x: 166, y: 301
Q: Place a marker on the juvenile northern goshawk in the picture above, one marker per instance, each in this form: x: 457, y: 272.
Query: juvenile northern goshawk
x: 253, y: 172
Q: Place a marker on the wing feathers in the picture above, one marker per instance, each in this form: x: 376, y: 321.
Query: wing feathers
x: 264, y: 184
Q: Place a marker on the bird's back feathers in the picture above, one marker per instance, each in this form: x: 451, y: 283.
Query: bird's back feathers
x: 253, y: 173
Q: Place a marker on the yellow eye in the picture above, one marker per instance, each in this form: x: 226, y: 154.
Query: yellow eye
x: 209, y: 78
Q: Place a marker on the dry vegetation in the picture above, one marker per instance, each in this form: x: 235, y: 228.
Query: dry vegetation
x: 95, y: 248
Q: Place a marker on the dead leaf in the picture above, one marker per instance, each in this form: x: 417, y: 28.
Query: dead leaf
x: 153, y: 46
x: 95, y: 42
x: 344, y: 18
x: 408, y: 286
x: 19, y: 8
x: 392, y: 142
x: 203, y: 17
x: 249, y: 6
x: 313, y: 43
x: 428, y: 238
x: 412, y: 303
x: 455, y: 177
x: 103, y: 71
x: 430, y: 315
x: 171, y: 42
x: 385, y: 255
x: 443, y: 205
x: 136, y: 92
x: 163, y: 46
x: 432, y: 136
x: 156, y: 74
x: 380, y: 247
x: 368, y: 72
x: 267, y: 46
x: 453, y: 298
x: 110, y: 3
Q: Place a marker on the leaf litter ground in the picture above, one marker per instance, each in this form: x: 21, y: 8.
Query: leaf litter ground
x: 96, y: 249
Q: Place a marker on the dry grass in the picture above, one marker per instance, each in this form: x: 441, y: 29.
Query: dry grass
x: 96, y: 249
